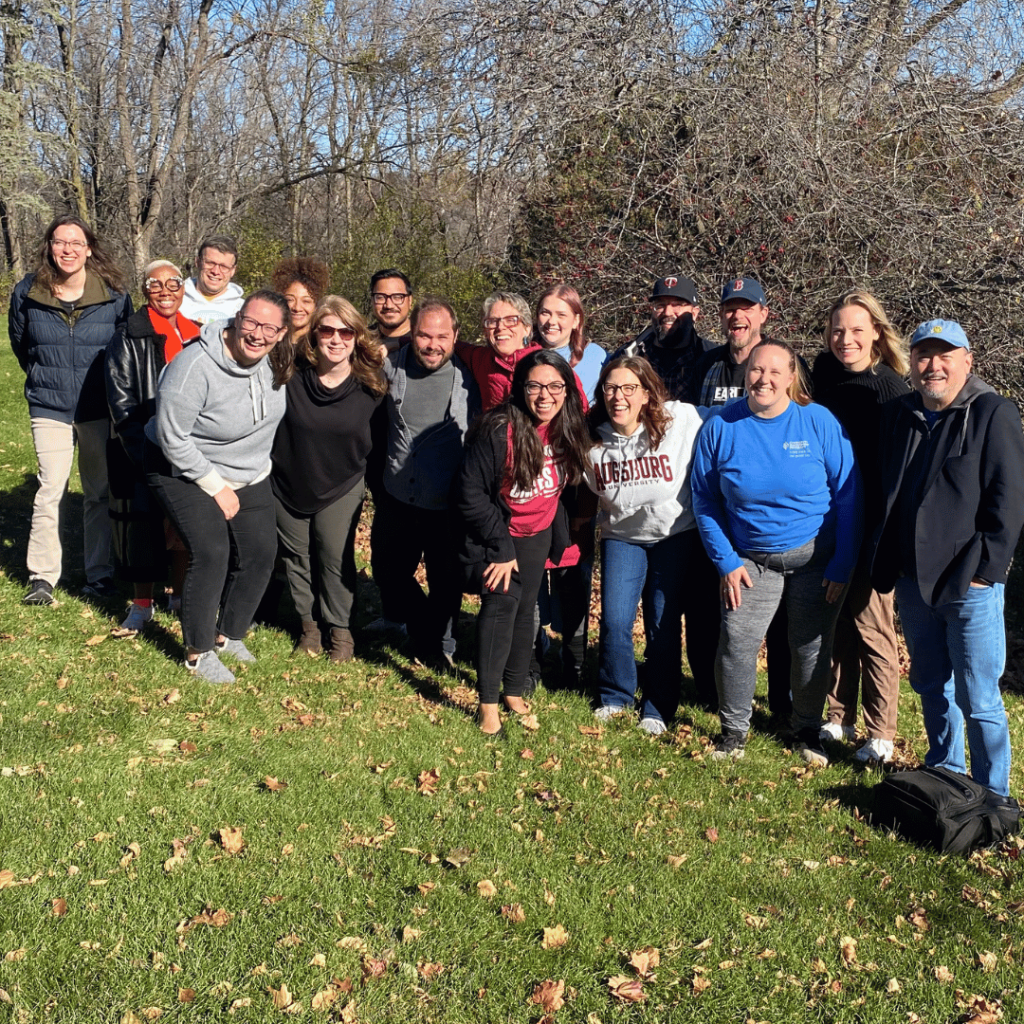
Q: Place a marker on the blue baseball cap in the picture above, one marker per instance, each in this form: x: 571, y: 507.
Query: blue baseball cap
x: 948, y: 331
x: 744, y: 288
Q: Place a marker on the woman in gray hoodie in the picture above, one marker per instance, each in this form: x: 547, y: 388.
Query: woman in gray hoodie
x: 217, y: 410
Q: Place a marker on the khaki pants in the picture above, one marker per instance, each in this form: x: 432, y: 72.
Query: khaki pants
x: 55, y: 449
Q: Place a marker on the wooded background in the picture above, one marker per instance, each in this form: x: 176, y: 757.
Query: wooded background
x: 814, y: 144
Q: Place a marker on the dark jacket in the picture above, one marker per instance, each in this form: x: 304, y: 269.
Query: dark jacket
x: 676, y: 359
x: 971, y: 492
x: 134, y: 362
x: 484, y: 512
x: 62, y: 353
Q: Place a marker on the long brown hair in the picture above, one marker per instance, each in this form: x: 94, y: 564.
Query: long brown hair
x: 567, y: 432
x: 654, y: 416
x: 98, y: 260
x: 571, y: 297
x: 367, y: 360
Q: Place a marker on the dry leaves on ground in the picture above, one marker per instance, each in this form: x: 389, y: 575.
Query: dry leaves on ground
x: 627, y: 990
x: 554, y: 938
x: 231, y: 840
x: 548, y: 995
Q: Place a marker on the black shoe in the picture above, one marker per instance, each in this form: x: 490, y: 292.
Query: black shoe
x: 102, y: 589
x: 39, y: 592
x: 809, y: 746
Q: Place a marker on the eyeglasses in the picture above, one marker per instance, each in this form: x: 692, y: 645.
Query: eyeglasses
x: 213, y: 265
x: 154, y: 284
x: 395, y: 298
x: 325, y: 333
x: 491, y: 323
x: 554, y: 389
x: 608, y: 390
x: 269, y: 332
x: 75, y: 245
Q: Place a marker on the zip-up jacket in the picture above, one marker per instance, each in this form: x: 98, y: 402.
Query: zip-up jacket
x: 62, y: 353
x: 969, y: 483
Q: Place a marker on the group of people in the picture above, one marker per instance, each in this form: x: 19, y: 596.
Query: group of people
x: 220, y: 434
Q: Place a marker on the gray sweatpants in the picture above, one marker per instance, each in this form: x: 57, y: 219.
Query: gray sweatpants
x: 793, y: 576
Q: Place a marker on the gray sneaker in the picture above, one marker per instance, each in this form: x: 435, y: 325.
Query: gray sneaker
x: 730, y: 747
x: 209, y: 667
x: 39, y: 592
x: 236, y: 649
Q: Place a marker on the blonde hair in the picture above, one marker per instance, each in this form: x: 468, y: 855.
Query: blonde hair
x: 889, y: 348
x: 798, y: 390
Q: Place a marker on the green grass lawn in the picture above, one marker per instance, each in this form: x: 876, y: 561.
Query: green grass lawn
x: 345, y: 845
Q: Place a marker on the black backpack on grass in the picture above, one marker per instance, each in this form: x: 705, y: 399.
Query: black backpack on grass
x: 947, y: 811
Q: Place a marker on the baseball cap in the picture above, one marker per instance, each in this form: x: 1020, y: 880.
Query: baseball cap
x: 948, y: 331
x: 744, y: 288
x: 676, y: 288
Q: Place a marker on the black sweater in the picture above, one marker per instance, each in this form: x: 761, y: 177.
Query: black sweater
x: 320, y: 449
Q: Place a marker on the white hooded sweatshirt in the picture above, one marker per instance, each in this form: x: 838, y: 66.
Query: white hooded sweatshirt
x: 644, y: 494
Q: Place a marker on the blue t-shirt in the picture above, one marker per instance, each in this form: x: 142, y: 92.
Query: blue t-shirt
x: 588, y: 369
x: 770, y: 485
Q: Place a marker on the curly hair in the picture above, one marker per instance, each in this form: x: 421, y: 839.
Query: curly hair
x: 314, y: 275
x: 98, y: 260
x: 367, y: 360
x: 889, y: 348
x: 654, y: 417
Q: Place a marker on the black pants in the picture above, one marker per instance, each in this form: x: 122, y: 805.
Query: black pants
x: 402, y: 536
x: 230, y: 560
x: 505, y: 629
x: 703, y: 613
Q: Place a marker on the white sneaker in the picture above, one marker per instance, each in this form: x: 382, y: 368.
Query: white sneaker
x: 137, y: 617
x: 655, y: 726
x: 875, y: 751
x: 606, y: 712
x: 838, y: 733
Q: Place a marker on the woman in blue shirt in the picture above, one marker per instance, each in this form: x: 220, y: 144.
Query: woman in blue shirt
x: 777, y: 498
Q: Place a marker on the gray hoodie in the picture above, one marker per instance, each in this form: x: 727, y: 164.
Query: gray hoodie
x: 644, y: 494
x: 215, y: 420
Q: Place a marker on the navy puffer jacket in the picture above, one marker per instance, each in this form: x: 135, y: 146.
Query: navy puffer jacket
x: 62, y: 353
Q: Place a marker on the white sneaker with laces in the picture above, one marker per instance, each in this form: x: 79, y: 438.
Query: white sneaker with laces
x: 875, y: 751
x: 838, y: 733
x: 137, y: 617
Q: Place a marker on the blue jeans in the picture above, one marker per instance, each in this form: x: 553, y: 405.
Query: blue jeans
x: 659, y: 573
x: 957, y: 654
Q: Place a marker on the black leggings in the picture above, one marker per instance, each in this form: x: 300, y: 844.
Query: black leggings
x: 505, y: 625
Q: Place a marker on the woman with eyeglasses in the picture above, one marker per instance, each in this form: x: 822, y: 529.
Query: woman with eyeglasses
x: 507, y: 324
x: 62, y: 318
x: 518, y: 458
x: 639, y: 468
x: 218, y: 406
x: 135, y: 359
x: 319, y: 459
x: 303, y: 281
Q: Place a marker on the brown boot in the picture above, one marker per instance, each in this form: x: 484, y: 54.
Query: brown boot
x: 309, y: 642
x: 342, y: 645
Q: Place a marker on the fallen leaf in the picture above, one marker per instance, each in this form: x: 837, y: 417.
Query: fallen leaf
x: 132, y: 851
x: 231, y: 840
x: 848, y: 949
x: 289, y: 941
x: 711, y: 834
x: 239, y: 1004
x: 6, y: 878
x: 592, y: 730
x: 129, y: 1018
x: 186, y: 995
x: 94, y: 640
x: 706, y: 944
x: 643, y: 961
x: 273, y: 784
x: 288, y: 849
x: 529, y: 722
x: 319, y: 960
x: 178, y: 854
x: 187, y: 747
x: 627, y: 990
x: 324, y: 999
x: 352, y: 942
x: 428, y: 972
x: 892, y: 986
x: 554, y: 938
x: 211, y: 918
x: 410, y: 934
x: 942, y: 974
x: 987, y: 962
x: 374, y: 968
x: 514, y: 912
x: 15, y: 955
x: 548, y: 995
x: 700, y: 984
x: 487, y: 889
x: 424, y: 887
x: 676, y: 862
x: 60, y: 907
x: 281, y: 997
x: 152, y: 1012
x: 171, y: 697
x: 426, y: 781
x: 526, y: 754
x: 458, y: 858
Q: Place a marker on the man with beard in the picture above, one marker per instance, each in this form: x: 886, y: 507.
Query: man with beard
x: 431, y: 400
x: 952, y: 471
x: 670, y: 343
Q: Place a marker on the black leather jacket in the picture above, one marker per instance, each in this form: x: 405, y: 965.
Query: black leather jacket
x: 135, y: 360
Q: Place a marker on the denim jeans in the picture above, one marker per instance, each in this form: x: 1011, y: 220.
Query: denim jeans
x: 658, y: 572
x: 792, y: 577
x: 957, y: 654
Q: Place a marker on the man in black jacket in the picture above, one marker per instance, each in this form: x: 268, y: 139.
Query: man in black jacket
x: 953, y: 486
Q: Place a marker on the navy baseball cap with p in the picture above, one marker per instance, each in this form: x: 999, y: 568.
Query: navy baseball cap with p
x: 744, y: 288
x: 948, y: 331
x: 674, y: 287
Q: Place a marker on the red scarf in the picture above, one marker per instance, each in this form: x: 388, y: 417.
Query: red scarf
x: 177, y: 333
